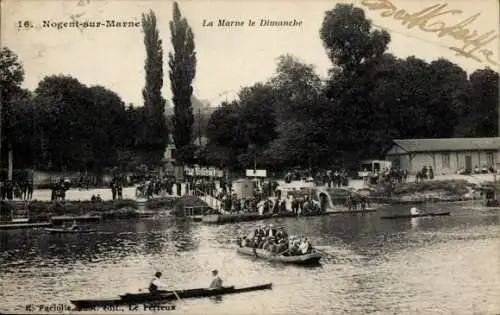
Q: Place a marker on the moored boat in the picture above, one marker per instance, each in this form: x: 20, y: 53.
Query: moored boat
x: 254, y: 216
x: 164, y: 296
x: 303, y: 259
x: 68, y: 231
x: 409, y: 216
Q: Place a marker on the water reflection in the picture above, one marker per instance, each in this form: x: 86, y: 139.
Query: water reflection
x: 370, y: 265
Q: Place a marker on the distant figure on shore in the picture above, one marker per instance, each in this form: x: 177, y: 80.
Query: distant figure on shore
x: 96, y: 198
x: 74, y: 226
x: 414, y: 211
x: 217, y: 281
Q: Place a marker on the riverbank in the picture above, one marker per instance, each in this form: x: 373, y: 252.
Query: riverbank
x: 41, y: 211
x: 407, y: 193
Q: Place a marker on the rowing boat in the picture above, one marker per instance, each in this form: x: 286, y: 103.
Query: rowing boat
x: 164, y: 296
x: 420, y: 215
x: 306, y: 259
x: 66, y: 231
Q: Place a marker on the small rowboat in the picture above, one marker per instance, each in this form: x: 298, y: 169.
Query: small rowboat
x: 68, y: 231
x: 307, y: 259
x: 163, y: 296
x: 409, y: 216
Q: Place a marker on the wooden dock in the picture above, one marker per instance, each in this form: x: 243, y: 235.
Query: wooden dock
x: 58, y: 220
x: 13, y: 226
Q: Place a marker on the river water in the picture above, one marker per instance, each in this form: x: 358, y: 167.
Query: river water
x: 440, y: 265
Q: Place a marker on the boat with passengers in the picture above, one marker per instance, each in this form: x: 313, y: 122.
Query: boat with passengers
x: 275, y: 245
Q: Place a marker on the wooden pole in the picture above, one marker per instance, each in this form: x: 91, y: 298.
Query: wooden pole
x: 10, y: 160
x: 497, y: 164
x: 199, y: 126
x: 1, y: 107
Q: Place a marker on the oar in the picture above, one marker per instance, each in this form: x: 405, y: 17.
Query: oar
x: 278, y: 254
x: 322, y: 251
x: 176, y: 295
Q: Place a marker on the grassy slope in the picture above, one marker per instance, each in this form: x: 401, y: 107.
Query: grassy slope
x: 436, y: 189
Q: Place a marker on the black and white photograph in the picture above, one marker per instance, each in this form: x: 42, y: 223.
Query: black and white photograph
x: 246, y: 157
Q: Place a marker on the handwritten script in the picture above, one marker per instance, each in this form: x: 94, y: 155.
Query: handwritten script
x: 473, y: 44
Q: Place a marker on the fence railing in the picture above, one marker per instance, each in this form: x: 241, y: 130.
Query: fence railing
x: 194, y: 210
x: 211, y: 201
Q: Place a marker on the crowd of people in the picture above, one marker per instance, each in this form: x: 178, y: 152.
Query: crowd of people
x: 425, y: 173
x: 393, y: 175
x: 356, y: 202
x: 16, y: 189
x: 155, y: 185
x: 276, y: 241
x: 299, y: 205
x: 329, y: 178
x: 152, y: 186
x: 477, y: 170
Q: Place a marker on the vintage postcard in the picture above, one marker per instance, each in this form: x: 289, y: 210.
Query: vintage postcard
x: 249, y: 157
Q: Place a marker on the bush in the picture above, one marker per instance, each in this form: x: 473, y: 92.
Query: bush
x: 5, y: 208
x: 450, y: 188
x: 125, y: 203
x: 123, y: 213
x: 49, y: 208
x: 167, y: 202
x: 455, y: 187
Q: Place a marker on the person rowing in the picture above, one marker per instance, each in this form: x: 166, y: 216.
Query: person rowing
x: 156, y: 283
x: 217, y: 281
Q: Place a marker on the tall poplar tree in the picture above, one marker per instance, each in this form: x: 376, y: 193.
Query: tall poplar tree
x: 155, y: 137
x: 182, y: 62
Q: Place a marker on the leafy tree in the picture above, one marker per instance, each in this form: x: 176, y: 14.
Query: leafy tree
x: 107, y: 118
x: 349, y: 38
x: 481, y: 118
x: 449, y: 96
x: 67, y: 103
x: 300, y: 143
x: 155, y: 136
x: 20, y: 120
x: 11, y: 73
x: 297, y: 88
x: 182, y: 64
x: 221, y: 129
x: 355, y: 50
x: 226, y: 137
x: 11, y: 78
x: 256, y: 119
x: 238, y: 132
x: 77, y: 127
x: 301, y: 115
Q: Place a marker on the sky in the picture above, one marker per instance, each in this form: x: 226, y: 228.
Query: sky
x: 228, y: 58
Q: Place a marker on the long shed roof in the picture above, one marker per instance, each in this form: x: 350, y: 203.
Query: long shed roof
x: 451, y: 144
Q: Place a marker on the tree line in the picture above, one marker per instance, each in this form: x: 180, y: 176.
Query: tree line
x: 369, y: 98
x: 295, y: 118
x: 66, y: 125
